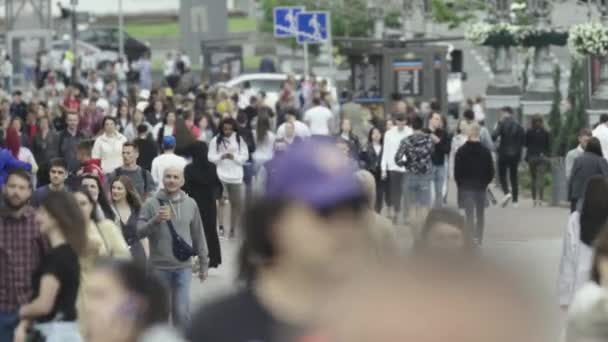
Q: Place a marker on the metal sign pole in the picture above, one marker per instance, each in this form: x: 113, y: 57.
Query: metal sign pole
x: 330, y: 42
x: 76, y: 66
x: 306, y: 65
x: 121, y: 28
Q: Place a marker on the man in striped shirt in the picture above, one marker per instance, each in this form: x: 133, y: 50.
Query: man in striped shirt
x: 21, y: 250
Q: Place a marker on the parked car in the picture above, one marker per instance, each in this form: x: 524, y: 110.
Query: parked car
x: 107, y: 38
x: 102, y: 57
x: 271, y: 84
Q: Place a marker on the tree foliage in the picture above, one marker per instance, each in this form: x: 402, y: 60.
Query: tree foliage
x: 575, y: 117
x: 456, y: 12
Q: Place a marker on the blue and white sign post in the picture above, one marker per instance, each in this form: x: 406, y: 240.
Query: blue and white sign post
x: 285, y: 21
x: 315, y: 28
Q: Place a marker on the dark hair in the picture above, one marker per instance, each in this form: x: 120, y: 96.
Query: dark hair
x: 221, y: 138
x: 106, y: 119
x: 153, y: 298
x: 594, y: 146
x: 130, y: 144
x: 507, y: 110
x: 133, y: 198
x: 86, y: 146
x: 603, y: 118
x: 262, y: 128
x: 468, y: 114
x: 62, y: 206
x: 594, y: 212
x: 102, y: 199
x: 58, y: 162
x: 417, y: 123
x: 371, y: 132
x: 83, y: 190
x: 142, y: 128
x: 585, y: 132
x: 600, y: 251
x: 291, y: 111
x: 399, y: 117
x: 442, y: 215
x: 538, y: 122
x: 316, y: 101
x: 20, y: 173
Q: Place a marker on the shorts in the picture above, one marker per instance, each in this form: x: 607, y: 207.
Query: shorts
x: 419, y: 189
x: 234, y: 193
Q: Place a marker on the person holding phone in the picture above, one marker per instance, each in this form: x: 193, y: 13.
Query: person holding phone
x: 171, y: 211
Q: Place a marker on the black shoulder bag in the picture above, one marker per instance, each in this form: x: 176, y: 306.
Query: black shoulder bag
x: 182, y: 251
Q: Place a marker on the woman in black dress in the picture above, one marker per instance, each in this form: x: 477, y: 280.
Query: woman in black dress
x: 203, y: 184
x: 126, y: 205
x: 57, y: 278
x: 370, y: 160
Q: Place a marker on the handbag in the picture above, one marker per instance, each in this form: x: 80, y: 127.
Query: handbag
x: 182, y: 251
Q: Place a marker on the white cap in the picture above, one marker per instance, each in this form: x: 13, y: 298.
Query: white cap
x: 141, y: 106
x: 144, y: 94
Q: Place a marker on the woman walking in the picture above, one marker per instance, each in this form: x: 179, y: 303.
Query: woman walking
x: 538, y: 146
x: 127, y: 204
x: 371, y: 159
x: 108, y: 146
x: 228, y: 150
x: 442, y: 142
x: 204, y: 186
x: 346, y: 133
x: 583, y: 228
x: 103, y: 209
x: 264, y: 140
x: 52, y: 311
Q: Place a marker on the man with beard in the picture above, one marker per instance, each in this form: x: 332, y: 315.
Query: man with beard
x: 21, y: 250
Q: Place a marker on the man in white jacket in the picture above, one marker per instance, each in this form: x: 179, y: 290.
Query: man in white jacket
x: 228, y: 150
x: 390, y: 169
x: 601, y: 133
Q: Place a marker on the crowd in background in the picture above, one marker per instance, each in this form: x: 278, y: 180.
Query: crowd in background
x: 114, y: 197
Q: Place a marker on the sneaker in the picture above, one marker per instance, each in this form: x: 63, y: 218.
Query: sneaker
x: 515, y: 205
x: 232, y: 234
x: 221, y: 231
x: 505, y: 201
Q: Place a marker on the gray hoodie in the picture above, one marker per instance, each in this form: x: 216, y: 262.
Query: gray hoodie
x: 186, y: 219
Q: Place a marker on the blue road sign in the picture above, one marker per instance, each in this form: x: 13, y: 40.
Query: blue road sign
x: 285, y: 21
x: 313, y: 27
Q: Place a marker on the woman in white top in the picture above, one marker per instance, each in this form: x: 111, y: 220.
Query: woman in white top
x: 264, y: 139
x: 228, y: 150
x: 123, y: 117
x: 108, y: 146
x: 582, y: 231
x: 165, y: 128
x: 205, y: 124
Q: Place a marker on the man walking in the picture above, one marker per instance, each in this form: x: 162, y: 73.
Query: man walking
x: 473, y: 172
x: 390, y: 169
x: 170, y: 214
x: 69, y: 140
x: 512, y: 140
x: 415, y: 154
x: 58, y: 173
x: 22, y: 248
x: 141, y: 178
x: 583, y: 137
x: 166, y: 160
x: 319, y: 118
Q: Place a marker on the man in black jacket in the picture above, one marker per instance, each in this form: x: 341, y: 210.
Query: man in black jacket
x: 511, y: 136
x: 473, y: 172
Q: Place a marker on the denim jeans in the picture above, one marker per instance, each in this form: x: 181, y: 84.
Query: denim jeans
x: 8, y: 323
x: 439, y: 175
x: 178, y: 286
x: 474, y: 203
x: 419, y: 190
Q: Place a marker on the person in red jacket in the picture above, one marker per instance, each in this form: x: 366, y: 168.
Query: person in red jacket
x: 89, y: 166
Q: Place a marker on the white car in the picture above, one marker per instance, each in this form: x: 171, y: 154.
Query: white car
x: 270, y: 84
x: 101, y: 57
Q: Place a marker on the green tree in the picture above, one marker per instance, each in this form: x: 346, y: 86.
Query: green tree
x: 555, y: 116
x: 456, y: 12
x: 575, y: 117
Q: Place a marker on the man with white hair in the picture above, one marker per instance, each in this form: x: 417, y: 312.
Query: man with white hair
x: 172, y: 223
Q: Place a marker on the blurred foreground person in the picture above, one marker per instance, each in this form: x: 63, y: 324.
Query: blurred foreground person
x: 588, y: 315
x: 129, y: 304
x: 581, y: 232
x: 400, y: 305
x: 313, y: 196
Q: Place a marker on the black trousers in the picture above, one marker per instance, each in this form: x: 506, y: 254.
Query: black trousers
x: 380, y: 191
x: 508, y: 164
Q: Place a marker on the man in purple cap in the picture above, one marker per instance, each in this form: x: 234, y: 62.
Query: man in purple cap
x: 302, y: 238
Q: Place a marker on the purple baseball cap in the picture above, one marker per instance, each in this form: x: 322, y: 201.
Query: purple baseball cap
x: 314, y: 173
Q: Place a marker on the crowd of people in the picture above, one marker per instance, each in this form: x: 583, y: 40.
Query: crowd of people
x: 114, y: 199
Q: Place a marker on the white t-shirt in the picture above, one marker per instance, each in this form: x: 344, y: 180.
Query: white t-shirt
x: 301, y: 130
x: 318, y: 119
